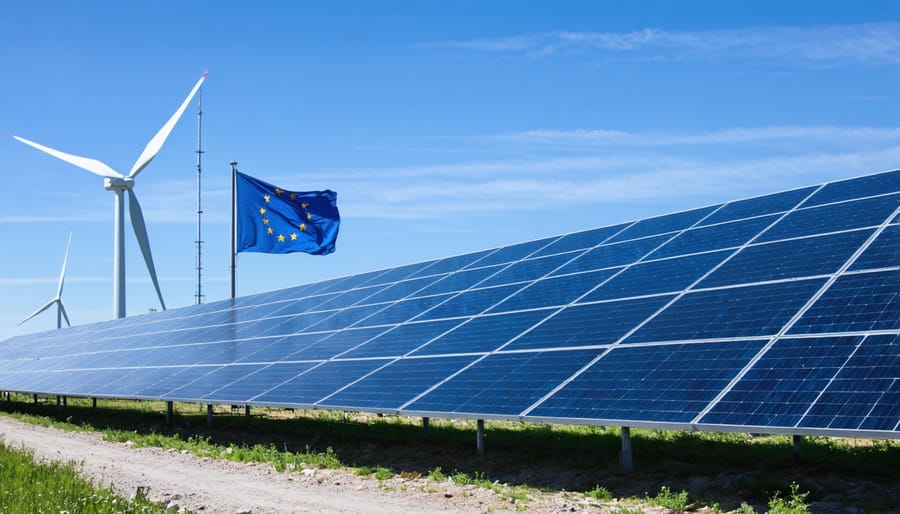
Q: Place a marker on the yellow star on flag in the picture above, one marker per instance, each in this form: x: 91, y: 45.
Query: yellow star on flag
x: 270, y: 231
x: 265, y: 221
x: 278, y: 191
x: 262, y: 210
x: 308, y: 217
x: 303, y: 227
x: 267, y: 198
x: 280, y: 238
x: 293, y: 196
x: 304, y: 205
x: 294, y: 236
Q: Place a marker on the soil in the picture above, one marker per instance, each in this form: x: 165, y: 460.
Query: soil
x: 182, y: 481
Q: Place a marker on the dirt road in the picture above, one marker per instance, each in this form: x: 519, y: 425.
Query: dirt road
x: 211, y: 485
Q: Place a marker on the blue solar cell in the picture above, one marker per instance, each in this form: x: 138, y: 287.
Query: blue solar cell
x: 352, y: 297
x: 459, y: 281
x: 403, y: 311
x: 794, y: 258
x: 352, y: 282
x: 401, y: 290
x: 884, y: 251
x: 527, y: 270
x: 783, y: 384
x: 471, y: 302
x: 402, y: 339
x: 580, y: 240
x: 857, y: 188
x: 317, y: 383
x: 335, y: 344
x: 212, y: 381
x: 859, y: 396
x: 398, y: 383
x: 251, y: 384
x: 668, y: 275
x: 833, y: 218
x: 484, y: 334
x: 608, y: 256
x: 275, y: 349
x: 665, y: 383
x: 663, y: 224
x: 173, y: 378
x: 293, y: 324
x: 342, y: 319
x: 504, y: 383
x: 450, y: 264
x: 778, y: 202
x: 554, y: 291
x: 726, y: 235
x: 758, y: 310
x: 298, y: 306
x: 580, y: 325
x: 399, y: 273
x: 513, y: 253
x: 857, y: 302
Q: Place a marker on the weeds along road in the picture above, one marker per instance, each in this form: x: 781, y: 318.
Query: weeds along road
x: 213, y: 485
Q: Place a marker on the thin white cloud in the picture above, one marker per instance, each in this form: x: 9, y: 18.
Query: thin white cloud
x: 870, y: 42
x: 593, y: 181
x: 782, y: 133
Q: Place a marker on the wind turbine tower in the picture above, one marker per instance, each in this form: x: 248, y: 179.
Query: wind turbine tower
x: 120, y: 184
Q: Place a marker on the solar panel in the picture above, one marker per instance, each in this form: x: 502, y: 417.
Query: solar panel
x: 776, y: 314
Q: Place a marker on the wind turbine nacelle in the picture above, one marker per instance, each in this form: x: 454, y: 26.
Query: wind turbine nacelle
x: 118, y: 184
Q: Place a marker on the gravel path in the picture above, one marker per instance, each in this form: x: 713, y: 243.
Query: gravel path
x: 211, y: 485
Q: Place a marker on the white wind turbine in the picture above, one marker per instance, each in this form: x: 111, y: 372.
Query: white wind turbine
x: 118, y: 183
x: 60, y: 309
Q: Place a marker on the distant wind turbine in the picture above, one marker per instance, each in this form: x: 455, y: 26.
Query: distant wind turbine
x: 118, y: 183
x: 60, y: 309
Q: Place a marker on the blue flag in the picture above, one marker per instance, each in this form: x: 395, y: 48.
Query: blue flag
x: 274, y: 220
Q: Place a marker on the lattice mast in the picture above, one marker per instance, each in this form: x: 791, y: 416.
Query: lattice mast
x: 198, y: 296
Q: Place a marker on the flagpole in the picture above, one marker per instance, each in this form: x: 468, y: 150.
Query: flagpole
x: 233, y: 226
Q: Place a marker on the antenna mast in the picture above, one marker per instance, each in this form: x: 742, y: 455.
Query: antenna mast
x: 198, y: 296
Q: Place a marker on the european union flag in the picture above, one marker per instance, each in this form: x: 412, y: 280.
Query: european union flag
x: 274, y: 220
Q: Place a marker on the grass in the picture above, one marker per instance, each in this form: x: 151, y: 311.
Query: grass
x: 530, y: 458
x: 56, y: 487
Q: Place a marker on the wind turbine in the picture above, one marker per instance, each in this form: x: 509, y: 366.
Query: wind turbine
x: 119, y: 183
x: 60, y: 309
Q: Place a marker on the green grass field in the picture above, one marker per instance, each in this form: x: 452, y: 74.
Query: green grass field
x: 29, y: 487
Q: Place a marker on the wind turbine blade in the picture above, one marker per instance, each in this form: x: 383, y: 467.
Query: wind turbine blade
x: 94, y: 166
x: 62, y: 274
x: 156, y: 143
x: 62, y: 309
x: 35, y: 313
x: 140, y: 232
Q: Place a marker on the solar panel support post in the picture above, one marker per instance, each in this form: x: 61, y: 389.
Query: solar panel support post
x: 35, y: 400
x: 209, y: 414
x: 94, y: 403
x: 169, y: 414
x: 425, y: 428
x: 479, y: 438
x: 233, y: 226
x: 247, y: 411
x: 798, y: 449
x: 626, y: 462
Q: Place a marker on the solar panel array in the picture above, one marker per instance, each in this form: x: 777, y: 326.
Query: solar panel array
x: 773, y: 314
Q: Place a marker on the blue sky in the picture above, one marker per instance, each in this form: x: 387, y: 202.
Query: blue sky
x: 445, y: 127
